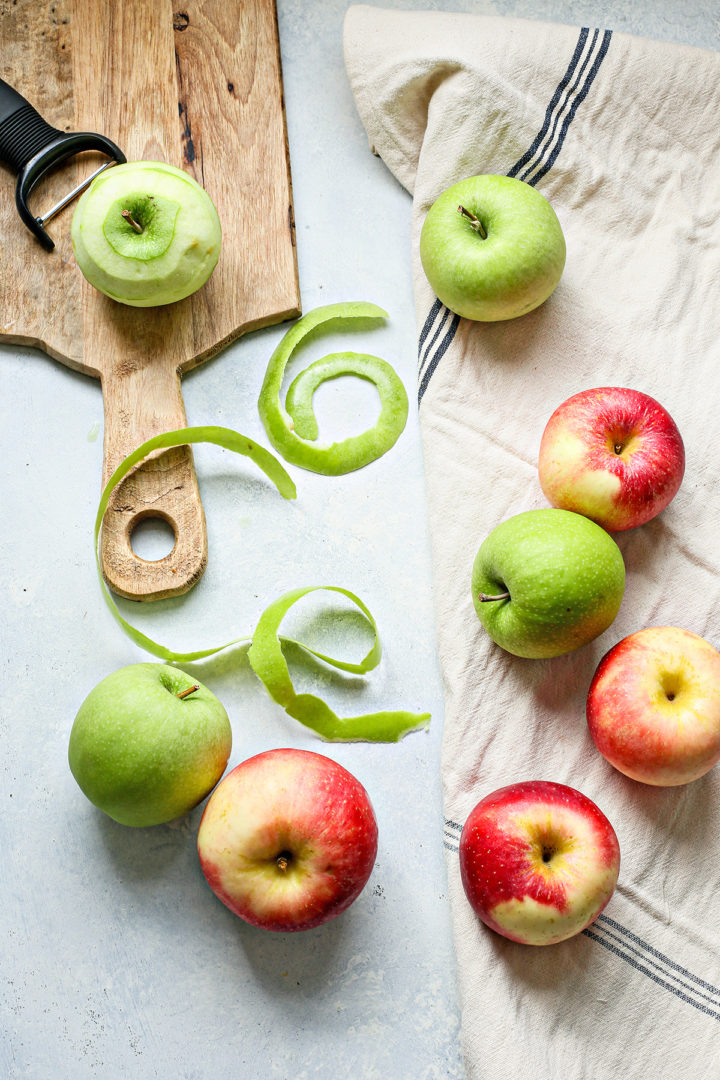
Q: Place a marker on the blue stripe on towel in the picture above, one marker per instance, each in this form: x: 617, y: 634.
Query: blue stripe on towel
x: 433, y: 339
x: 660, y: 956
x: 550, y: 111
x: 437, y: 356
x: 607, y: 943
x: 582, y: 94
x: 428, y: 323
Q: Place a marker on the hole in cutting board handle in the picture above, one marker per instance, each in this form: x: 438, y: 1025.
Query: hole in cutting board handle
x: 152, y: 537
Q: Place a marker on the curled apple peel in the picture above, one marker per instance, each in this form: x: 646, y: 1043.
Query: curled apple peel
x: 265, y: 654
x: 267, y: 661
x: 292, y: 429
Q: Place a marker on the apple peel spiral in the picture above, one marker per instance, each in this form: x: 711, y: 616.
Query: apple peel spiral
x: 265, y: 654
x: 292, y: 428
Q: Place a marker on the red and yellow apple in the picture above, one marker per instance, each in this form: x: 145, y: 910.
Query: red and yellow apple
x: 539, y: 861
x: 612, y: 454
x: 288, y: 839
x: 653, y: 708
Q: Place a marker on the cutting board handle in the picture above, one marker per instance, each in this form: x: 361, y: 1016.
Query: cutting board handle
x: 143, y: 399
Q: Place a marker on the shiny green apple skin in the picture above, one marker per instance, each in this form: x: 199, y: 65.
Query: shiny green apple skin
x: 175, y: 252
x: 142, y: 754
x: 565, y: 576
x: 508, y: 273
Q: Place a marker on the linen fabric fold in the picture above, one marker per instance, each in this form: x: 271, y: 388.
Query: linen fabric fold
x: 621, y: 134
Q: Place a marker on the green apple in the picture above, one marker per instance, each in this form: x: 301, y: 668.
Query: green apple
x: 145, y: 233
x: 492, y: 248
x: 148, y: 744
x: 546, y: 582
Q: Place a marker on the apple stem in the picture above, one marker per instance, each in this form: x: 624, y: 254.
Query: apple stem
x: 131, y: 221
x: 190, y: 690
x: 282, y: 862
x: 484, y: 598
x: 475, y: 222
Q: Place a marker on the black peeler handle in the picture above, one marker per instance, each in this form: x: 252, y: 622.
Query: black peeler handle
x: 31, y: 147
x: 23, y: 132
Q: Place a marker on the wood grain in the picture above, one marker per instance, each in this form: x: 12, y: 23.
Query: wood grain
x: 200, y: 87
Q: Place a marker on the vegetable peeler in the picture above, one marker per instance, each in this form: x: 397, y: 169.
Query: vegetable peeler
x: 31, y: 147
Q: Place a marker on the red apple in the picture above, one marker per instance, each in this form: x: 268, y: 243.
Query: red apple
x: 612, y: 454
x: 653, y: 708
x: 288, y: 839
x: 539, y: 861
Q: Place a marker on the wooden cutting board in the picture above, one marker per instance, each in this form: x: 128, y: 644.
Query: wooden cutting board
x: 198, y: 85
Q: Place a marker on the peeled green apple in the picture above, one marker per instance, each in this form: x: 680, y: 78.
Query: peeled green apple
x: 492, y: 248
x: 546, y: 582
x: 145, y: 234
x: 148, y: 744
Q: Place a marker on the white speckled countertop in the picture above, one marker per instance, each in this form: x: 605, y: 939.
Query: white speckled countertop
x: 117, y: 961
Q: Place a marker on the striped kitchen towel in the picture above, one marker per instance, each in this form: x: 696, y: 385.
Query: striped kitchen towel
x: 623, y: 136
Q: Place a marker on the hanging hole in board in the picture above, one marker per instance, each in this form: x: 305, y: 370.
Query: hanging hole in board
x: 152, y: 538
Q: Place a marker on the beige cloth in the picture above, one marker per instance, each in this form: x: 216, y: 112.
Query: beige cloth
x: 623, y: 136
